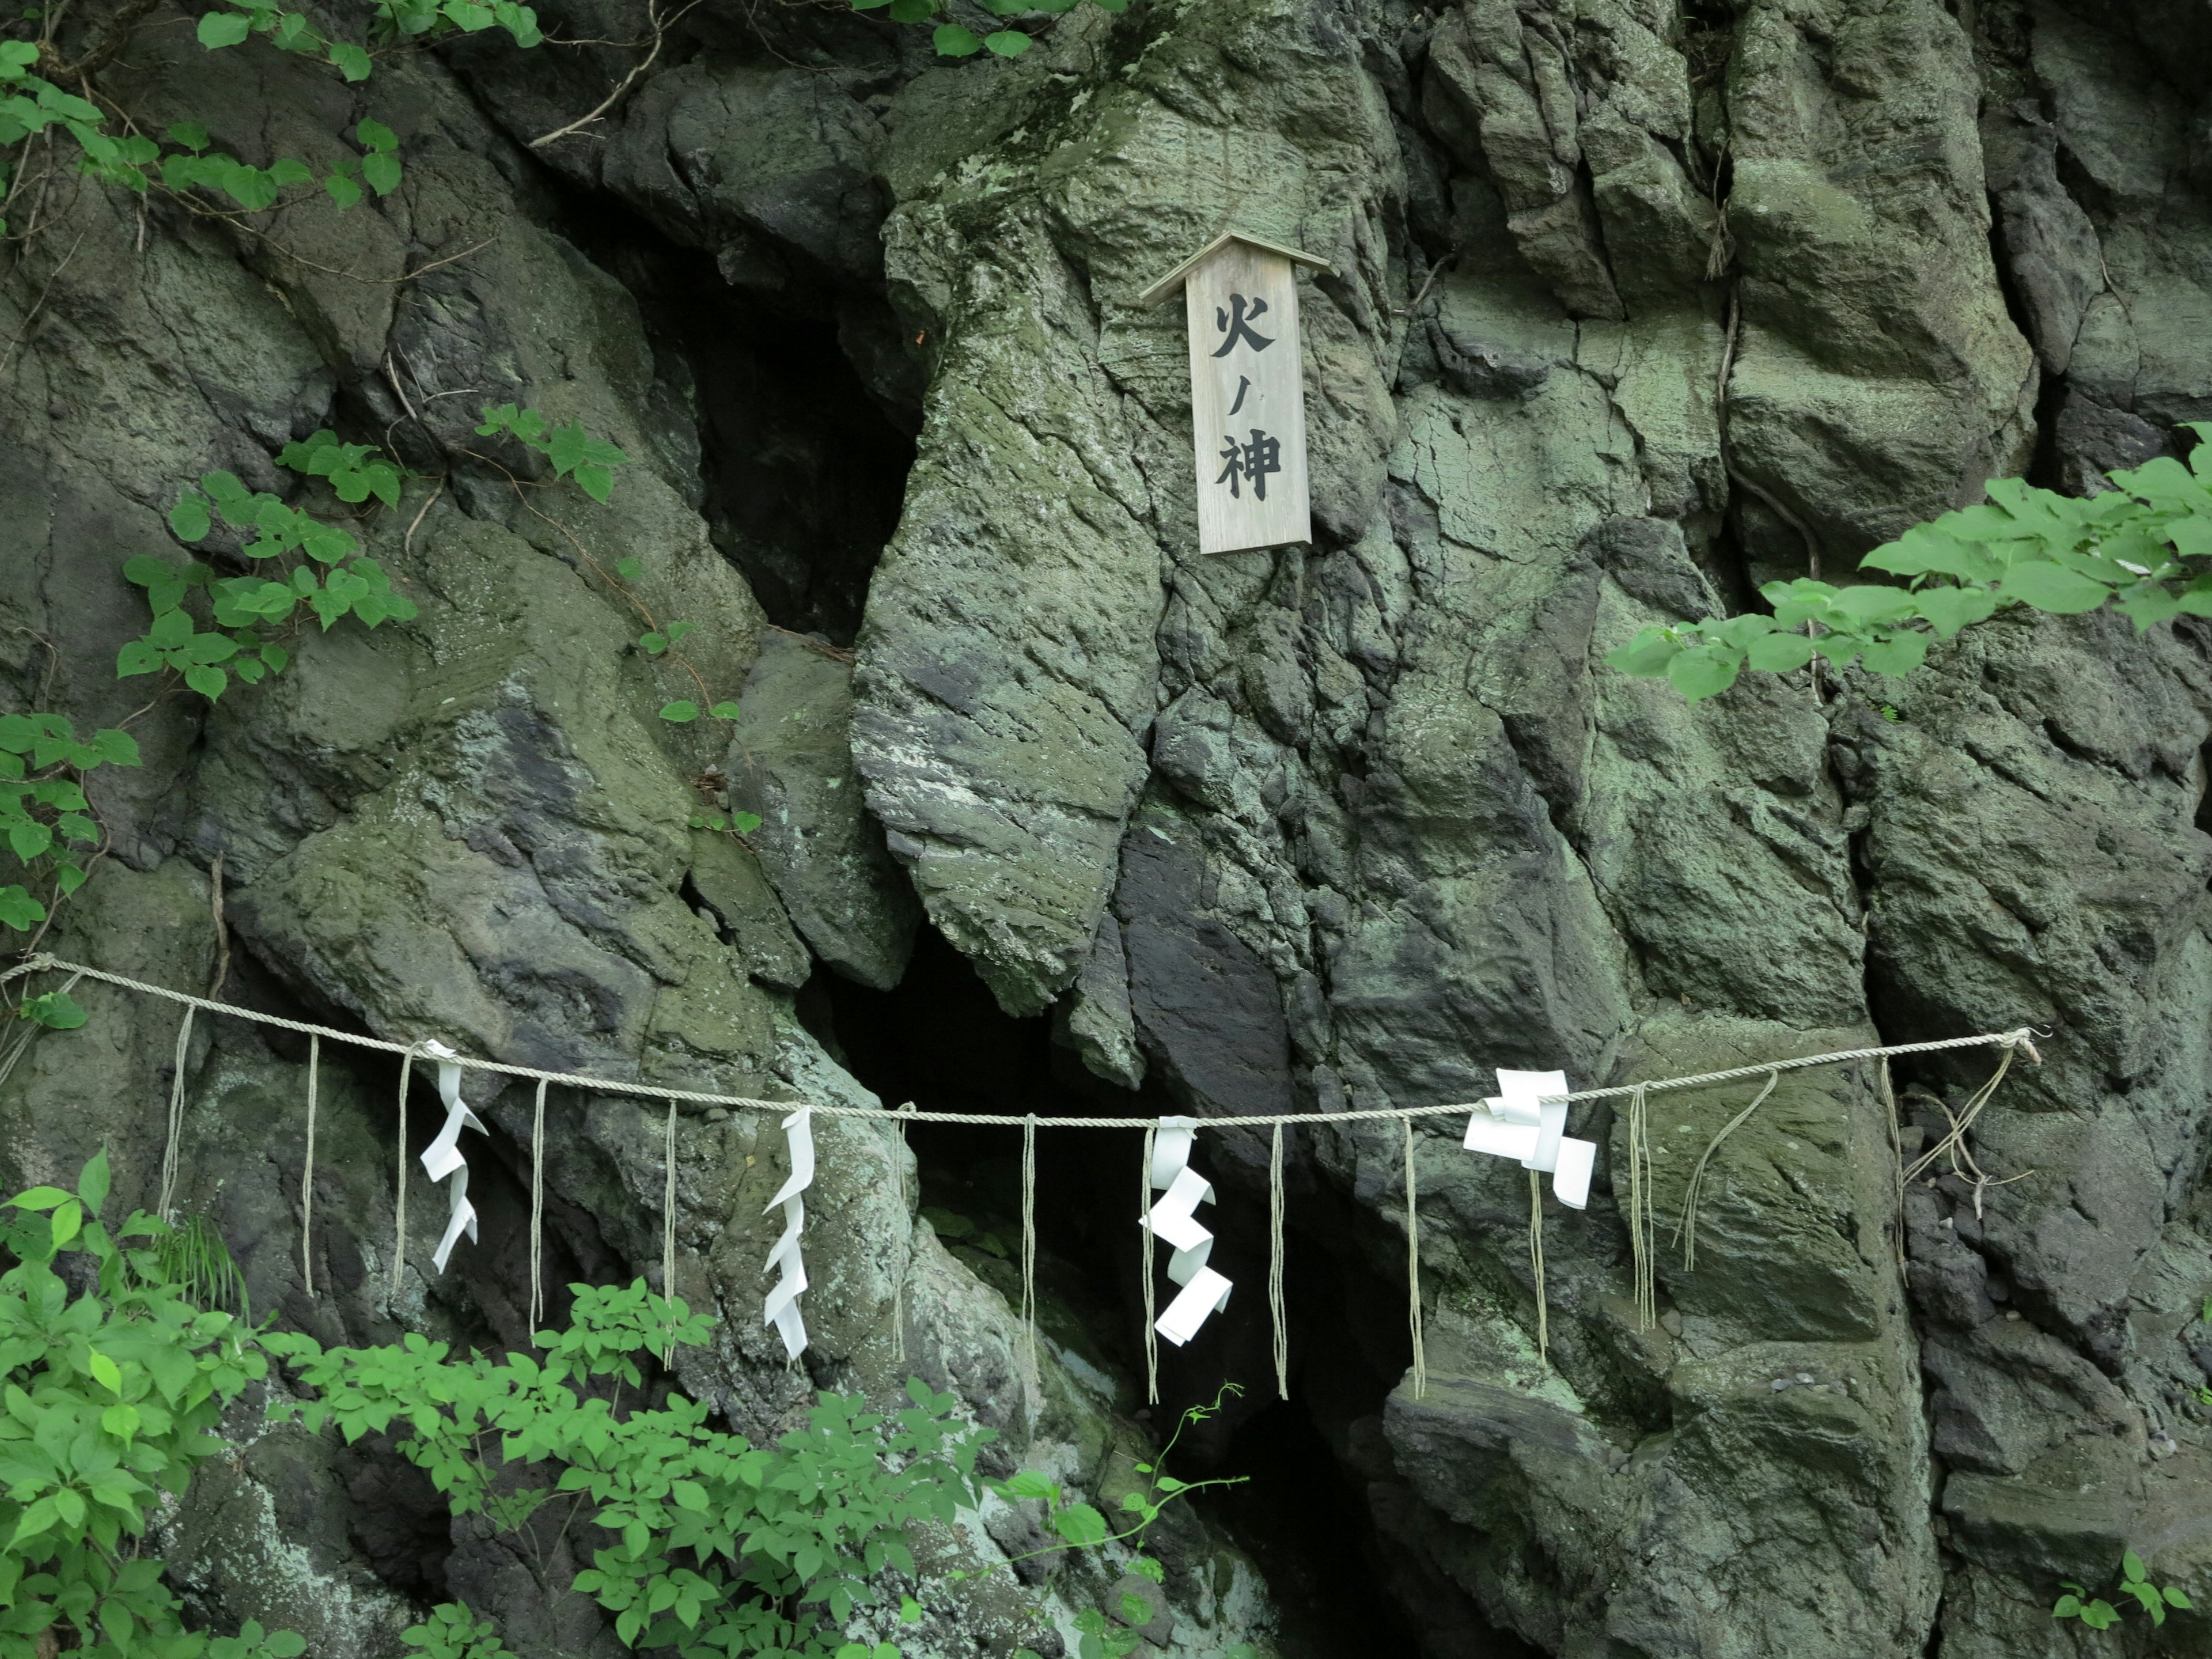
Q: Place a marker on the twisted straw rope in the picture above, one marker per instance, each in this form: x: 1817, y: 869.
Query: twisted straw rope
x: 2018, y: 1038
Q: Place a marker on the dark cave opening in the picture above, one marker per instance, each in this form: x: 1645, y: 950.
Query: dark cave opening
x: 802, y: 460
x: 940, y: 1039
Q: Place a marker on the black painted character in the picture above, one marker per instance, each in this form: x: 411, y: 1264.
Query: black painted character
x: 1251, y: 464
x: 1237, y: 323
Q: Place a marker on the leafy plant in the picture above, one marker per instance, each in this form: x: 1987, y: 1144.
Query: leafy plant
x: 252, y: 1642
x: 47, y: 821
x: 2144, y: 548
x: 111, y: 1383
x: 574, y: 452
x: 1080, y: 1525
x: 452, y: 1631
x: 719, y: 1547
x: 2134, y: 1581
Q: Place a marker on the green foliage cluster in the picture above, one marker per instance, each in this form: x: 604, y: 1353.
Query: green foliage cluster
x: 1080, y: 1526
x: 111, y: 1385
x: 391, y: 23
x: 452, y: 1631
x: 2134, y: 1583
x: 2144, y: 548
x: 721, y: 1548
x: 44, y: 817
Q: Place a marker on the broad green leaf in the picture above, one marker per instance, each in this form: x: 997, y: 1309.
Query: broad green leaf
x: 2131, y: 1565
x: 953, y: 41
x: 376, y: 137
x: 380, y: 170
x: 1080, y: 1525
x: 2175, y: 1598
x: 91, y: 1182
x: 1647, y: 654
x: 744, y: 823
x: 679, y: 712
x: 188, y: 518
x: 222, y: 29
x: 351, y: 60
x: 2052, y: 587
x: 1703, y: 672
x: 1006, y: 43
x: 1778, y: 653
x: 19, y: 910
x: 1898, y: 656
x: 725, y: 711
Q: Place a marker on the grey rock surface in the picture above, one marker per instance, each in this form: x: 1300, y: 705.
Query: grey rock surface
x: 1630, y: 307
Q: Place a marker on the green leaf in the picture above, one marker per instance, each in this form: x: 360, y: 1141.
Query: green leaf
x: 343, y: 190
x: 218, y: 30
x: 1006, y: 43
x: 1080, y: 1525
x: 1647, y: 654
x: 208, y: 682
x: 744, y: 823
x: 377, y: 137
x: 653, y: 644
x: 19, y: 910
x: 380, y: 170
x: 1703, y: 672
x: 91, y: 1182
x: 2131, y: 1565
x: 190, y: 134
x: 1778, y: 653
x: 1898, y: 656
x: 188, y: 518
x: 629, y: 569
x: 725, y: 711
x: 351, y: 60
x: 2052, y: 587
x: 953, y: 41
x: 679, y: 713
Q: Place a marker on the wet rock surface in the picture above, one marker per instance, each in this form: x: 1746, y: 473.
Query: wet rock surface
x: 1631, y: 306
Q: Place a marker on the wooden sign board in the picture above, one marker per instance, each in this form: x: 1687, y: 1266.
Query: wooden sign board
x: 1248, y: 403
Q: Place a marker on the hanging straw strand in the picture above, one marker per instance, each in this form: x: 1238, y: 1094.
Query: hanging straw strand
x: 906, y: 1232
x: 308, y: 1175
x: 399, y: 1200
x: 1029, y: 1244
x: 537, y: 1211
x: 1413, y: 1271
x: 1686, y: 1232
x: 177, y: 1083
x: 1536, y: 1265
x: 1639, y: 1208
x: 1145, y: 1202
x: 668, y: 1235
x: 1275, y: 1267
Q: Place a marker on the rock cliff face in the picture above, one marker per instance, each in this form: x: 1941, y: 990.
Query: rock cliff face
x: 1631, y: 305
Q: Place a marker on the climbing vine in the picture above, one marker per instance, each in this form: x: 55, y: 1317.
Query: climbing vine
x: 2144, y: 548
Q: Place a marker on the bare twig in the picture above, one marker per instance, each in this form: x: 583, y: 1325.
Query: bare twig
x: 1435, y: 272
x: 114, y: 35
x: 38, y: 305
x: 659, y: 38
x: 407, y: 546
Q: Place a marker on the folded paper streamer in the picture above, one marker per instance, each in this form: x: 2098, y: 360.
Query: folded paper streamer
x: 1515, y: 1125
x: 1183, y: 1189
x: 782, y: 1309
x: 442, y: 1157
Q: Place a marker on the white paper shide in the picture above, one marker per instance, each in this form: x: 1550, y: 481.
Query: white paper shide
x: 1173, y: 1217
x: 1516, y: 1123
x: 782, y: 1309
x: 442, y: 1157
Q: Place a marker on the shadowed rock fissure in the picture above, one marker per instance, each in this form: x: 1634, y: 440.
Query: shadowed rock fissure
x: 1310, y: 1463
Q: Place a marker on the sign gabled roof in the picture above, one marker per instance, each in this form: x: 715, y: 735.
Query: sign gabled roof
x: 1173, y: 280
